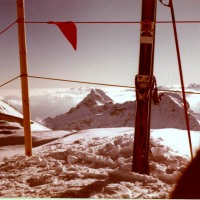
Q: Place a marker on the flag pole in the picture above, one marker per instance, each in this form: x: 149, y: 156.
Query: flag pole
x: 24, y: 77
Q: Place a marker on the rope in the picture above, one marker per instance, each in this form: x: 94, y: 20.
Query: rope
x: 164, y: 4
x: 180, y: 72
x: 117, y: 22
x: 87, y: 22
x: 105, y: 84
x: 7, y: 27
x: 82, y: 82
x: 102, y: 22
x: 9, y: 81
x: 92, y: 83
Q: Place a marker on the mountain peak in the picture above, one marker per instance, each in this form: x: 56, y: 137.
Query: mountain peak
x: 96, y: 111
x: 95, y: 97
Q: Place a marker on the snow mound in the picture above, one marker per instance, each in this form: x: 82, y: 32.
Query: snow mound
x: 98, y: 167
x: 98, y: 111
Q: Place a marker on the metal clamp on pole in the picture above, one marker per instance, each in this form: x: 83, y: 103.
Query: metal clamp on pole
x: 147, y: 32
x: 156, y: 96
x: 144, y: 84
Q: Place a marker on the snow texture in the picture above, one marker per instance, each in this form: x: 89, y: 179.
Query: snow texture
x: 91, y: 167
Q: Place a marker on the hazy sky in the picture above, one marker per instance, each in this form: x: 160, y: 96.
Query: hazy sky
x: 106, y: 53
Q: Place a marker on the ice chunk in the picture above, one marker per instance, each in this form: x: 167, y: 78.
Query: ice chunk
x: 158, y: 152
x: 59, y: 168
x: 174, y: 164
x: 167, y: 178
x: 72, y: 159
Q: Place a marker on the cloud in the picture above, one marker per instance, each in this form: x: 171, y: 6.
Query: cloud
x: 14, y: 101
x: 51, y: 102
x: 194, y: 102
x: 48, y: 103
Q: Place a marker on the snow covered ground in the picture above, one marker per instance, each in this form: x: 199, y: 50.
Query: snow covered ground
x: 91, y: 163
x: 94, y: 163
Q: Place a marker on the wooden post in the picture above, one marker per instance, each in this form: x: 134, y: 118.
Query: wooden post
x: 144, y: 83
x: 24, y: 77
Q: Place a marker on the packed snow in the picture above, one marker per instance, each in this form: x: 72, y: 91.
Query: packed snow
x: 93, y: 163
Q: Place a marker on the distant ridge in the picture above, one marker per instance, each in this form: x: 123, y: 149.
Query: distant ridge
x: 97, y: 110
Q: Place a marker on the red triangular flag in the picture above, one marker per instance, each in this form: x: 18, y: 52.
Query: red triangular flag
x: 69, y: 30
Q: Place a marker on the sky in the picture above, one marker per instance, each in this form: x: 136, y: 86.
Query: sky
x: 106, y: 53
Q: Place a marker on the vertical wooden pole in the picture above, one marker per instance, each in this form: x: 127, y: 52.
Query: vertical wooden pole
x: 144, y: 83
x: 24, y: 77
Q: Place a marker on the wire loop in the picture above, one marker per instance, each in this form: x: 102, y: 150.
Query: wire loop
x: 168, y: 5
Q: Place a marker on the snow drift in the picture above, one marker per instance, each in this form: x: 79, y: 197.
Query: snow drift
x: 95, y: 166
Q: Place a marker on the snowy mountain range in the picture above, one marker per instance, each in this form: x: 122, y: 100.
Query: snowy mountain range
x: 97, y: 110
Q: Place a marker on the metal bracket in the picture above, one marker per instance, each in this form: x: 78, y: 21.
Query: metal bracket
x: 147, y: 26
x: 155, y: 96
x: 144, y: 84
x: 146, y: 32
